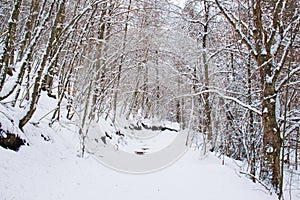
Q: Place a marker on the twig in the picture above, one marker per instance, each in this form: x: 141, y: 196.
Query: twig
x: 259, y: 181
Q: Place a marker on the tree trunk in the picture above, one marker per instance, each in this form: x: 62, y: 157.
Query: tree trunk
x: 48, y: 80
x: 29, y: 25
x: 260, y: 46
x: 297, y: 148
x: 207, y: 106
x: 251, y: 125
x: 7, y: 58
x: 37, y: 84
x: 101, y: 68
x: 122, y: 59
x: 271, y: 133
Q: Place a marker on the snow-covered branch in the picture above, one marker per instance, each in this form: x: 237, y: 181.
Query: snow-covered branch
x: 214, y: 91
x: 275, y: 23
x: 287, y: 77
x: 238, y: 30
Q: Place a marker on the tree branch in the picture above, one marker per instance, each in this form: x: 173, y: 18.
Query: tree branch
x: 238, y: 30
x: 228, y: 98
x: 275, y: 22
x: 294, y: 71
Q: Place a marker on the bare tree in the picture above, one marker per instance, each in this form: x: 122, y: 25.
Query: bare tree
x: 269, y: 44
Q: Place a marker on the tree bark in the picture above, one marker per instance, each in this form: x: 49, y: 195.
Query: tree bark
x: 8, y: 56
x: 122, y: 59
x: 251, y: 124
x: 29, y: 26
x: 207, y: 106
x: 47, y: 82
x: 259, y: 46
x: 37, y: 84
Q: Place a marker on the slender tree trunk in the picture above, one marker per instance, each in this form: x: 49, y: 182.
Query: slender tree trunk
x: 145, y: 89
x: 178, y: 104
x: 122, y: 59
x: 29, y: 26
x: 251, y: 124
x: 283, y: 139
x: 29, y: 54
x: 8, y: 56
x: 37, y: 84
x: 135, y: 99
x: 297, y: 147
x: 47, y: 82
x: 156, y: 109
x: 101, y: 69
x: 207, y: 106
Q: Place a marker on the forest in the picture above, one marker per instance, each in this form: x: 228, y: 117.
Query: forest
x: 227, y: 70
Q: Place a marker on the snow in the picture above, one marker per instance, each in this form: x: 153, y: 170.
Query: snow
x: 180, y: 3
x: 272, y: 100
x: 269, y: 79
x: 270, y: 150
x: 53, y: 170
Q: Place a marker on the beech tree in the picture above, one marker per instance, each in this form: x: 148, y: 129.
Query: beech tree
x: 272, y: 34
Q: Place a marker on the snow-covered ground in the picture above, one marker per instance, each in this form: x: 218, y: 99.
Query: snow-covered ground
x: 50, y: 169
x: 53, y: 171
x: 138, y: 147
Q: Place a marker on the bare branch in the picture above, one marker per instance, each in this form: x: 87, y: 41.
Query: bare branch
x: 225, y: 97
x: 283, y: 81
x: 275, y: 23
x: 238, y: 30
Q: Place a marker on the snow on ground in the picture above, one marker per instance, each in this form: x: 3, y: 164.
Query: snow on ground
x: 52, y: 170
x: 50, y: 167
x: 138, y: 147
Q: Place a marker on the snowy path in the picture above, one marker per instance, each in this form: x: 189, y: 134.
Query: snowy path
x: 130, y: 162
x: 51, y: 171
x: 49, y: 175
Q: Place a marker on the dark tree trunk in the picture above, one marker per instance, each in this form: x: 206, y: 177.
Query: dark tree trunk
x: 7, y: 58
x: 37, y: 84
x: 271, y: 133
x: 207, y: 106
